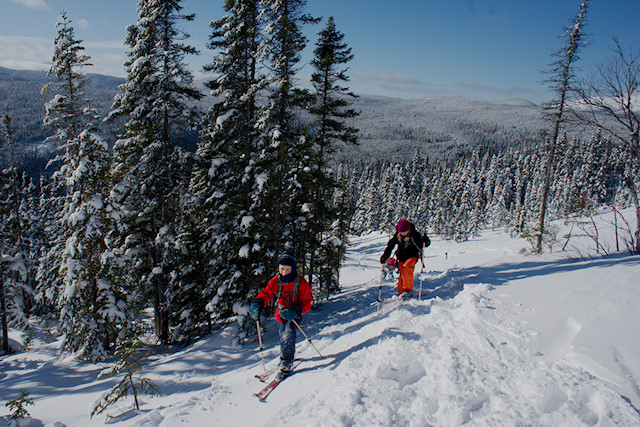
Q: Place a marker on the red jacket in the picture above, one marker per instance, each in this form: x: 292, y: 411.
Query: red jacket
x: 288, y: 298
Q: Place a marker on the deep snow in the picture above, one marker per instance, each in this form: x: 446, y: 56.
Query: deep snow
x: 500, y: 337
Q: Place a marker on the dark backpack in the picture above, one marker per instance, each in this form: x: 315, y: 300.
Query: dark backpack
x: 426, y: 240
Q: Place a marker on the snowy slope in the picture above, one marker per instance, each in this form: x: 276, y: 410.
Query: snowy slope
x: 499, y: 338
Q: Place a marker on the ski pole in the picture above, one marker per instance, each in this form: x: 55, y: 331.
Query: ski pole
x: 264, y: 365
x: 421, y: 271
x: 380, y: 287
x: 308, y: 339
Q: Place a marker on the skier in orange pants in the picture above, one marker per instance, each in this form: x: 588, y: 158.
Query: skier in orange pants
x: 410, y: 244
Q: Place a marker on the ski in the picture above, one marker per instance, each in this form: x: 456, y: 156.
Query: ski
x: 265, y: 376
x: 262, y: 394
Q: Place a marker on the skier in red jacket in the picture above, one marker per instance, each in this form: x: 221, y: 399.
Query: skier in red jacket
x: 293, y: 296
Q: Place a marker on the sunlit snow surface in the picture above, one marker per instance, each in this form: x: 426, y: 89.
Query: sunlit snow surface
x: 499, y: 337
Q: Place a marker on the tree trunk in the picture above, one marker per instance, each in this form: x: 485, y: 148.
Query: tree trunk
x: 631, y: 185
x: 3, y: 316
x: 545, y: 195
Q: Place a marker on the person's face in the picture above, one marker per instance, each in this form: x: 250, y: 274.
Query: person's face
x: 284, y: 270
x: 405, y: 234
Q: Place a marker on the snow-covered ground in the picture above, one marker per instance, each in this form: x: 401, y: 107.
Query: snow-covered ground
x: 500, y: 337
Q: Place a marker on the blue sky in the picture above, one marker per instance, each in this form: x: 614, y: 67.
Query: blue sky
x: 480, y: 49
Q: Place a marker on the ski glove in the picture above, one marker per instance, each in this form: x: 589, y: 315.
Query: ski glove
x: 255, y: 307
x: 291, y: 313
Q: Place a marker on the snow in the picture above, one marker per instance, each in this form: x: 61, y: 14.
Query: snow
x: 244, y: 251
x: 499, y: 337
x: 246, y: 221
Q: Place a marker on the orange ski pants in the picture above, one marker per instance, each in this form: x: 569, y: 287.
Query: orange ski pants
x: 405, y: 268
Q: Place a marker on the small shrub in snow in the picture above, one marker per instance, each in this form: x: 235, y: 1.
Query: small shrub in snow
x: 17, y: 406
x: 130, y: 364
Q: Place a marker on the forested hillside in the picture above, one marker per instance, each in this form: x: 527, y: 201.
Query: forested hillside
x: 440, y: 127
x: 389, y: 129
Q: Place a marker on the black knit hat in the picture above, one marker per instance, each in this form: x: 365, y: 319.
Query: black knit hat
x: 287, y: 259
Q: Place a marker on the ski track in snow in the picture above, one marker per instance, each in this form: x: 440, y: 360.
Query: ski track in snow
x: 463, y: 354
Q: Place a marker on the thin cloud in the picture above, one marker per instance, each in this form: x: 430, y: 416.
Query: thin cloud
x: 394, y: 84
x: 501, y: 91
x: 83, y: 23
x: 32, y: 4
x: 25, y: 53
x: 35, y: 53
x: 109, y: 44
x: 393, y: 78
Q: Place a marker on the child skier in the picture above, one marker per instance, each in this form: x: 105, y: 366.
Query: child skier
x: 293, y: 296
x: 410, y: 244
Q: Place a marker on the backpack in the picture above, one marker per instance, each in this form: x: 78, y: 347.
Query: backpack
x: 426, y: 240
x: 289, y: 295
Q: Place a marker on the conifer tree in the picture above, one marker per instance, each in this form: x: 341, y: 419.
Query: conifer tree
x: 12, y: 263
x: 330, y: 108
x: 150, y: 169
x: 90, y: 305
x: 285, y: 153
x: 48, y: 279
x: 224, y: 173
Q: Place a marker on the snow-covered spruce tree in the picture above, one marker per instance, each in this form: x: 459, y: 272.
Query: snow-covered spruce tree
x: 150, y: 170
x: 12, y: 266
x: 524, y: 185
x: 225, y: 172
x: 417, y: 176
x: 90, y: 304
x: 561, y: 82
x: 364, y: 191
x: 33, y: 239
x: 284, y: 152
x: 325, y: 239
x: 48, y: 279
x: 595, y: 171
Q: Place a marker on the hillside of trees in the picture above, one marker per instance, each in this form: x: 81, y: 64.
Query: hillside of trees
x: 389, y: 129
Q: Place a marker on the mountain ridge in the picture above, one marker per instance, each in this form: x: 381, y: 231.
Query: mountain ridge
x: 391, y: 129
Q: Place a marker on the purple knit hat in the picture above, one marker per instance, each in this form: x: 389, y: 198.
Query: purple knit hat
x: 403, y: 226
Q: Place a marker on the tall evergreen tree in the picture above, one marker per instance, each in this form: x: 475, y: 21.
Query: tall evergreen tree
x: 225, y: 170
x: 90, y: 305
x: 150, y: 169
x: 13, y: 266
x: 330, y: 108
x: 48, y: 279
x: 284, y: 148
